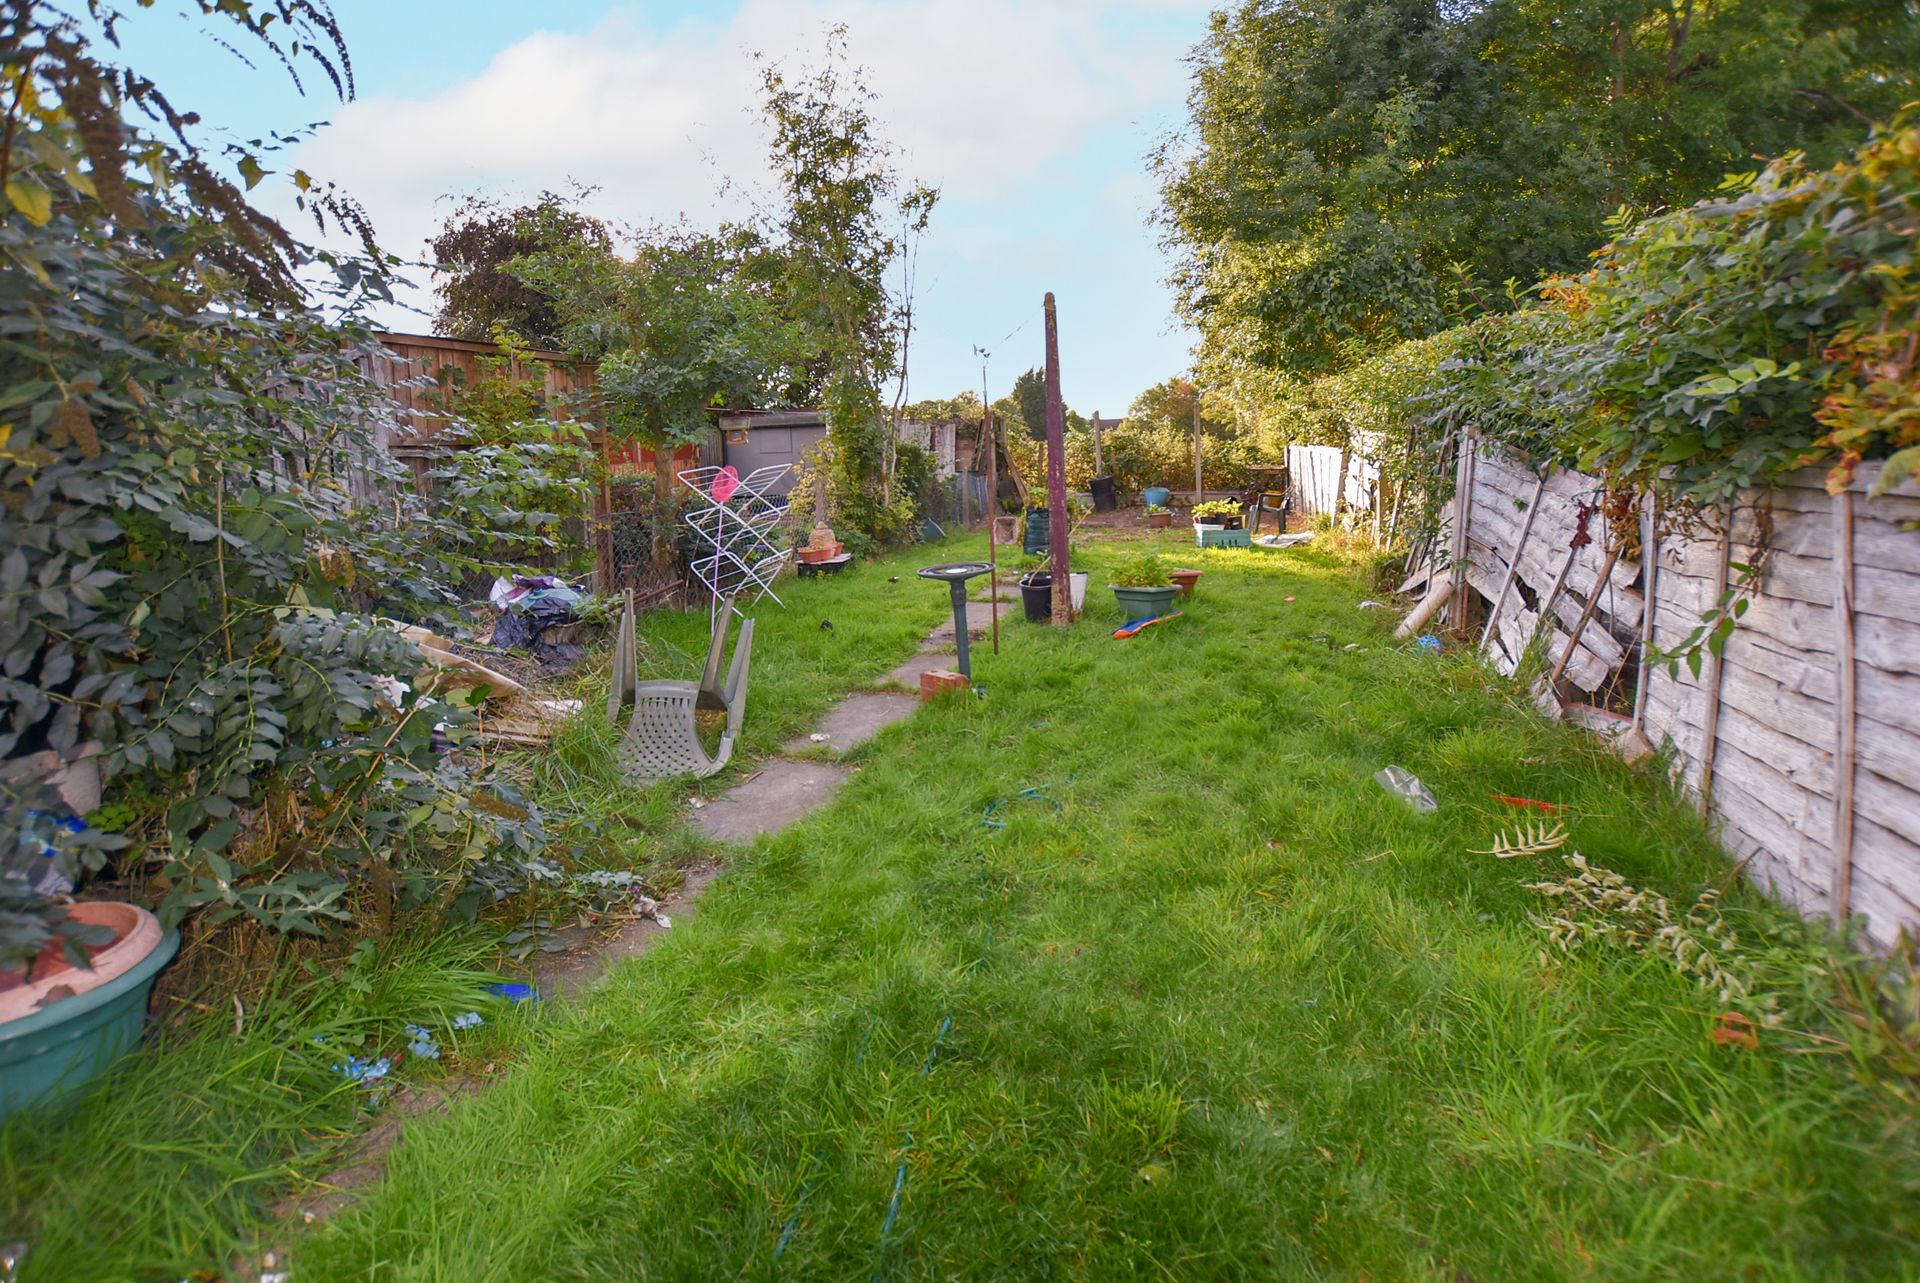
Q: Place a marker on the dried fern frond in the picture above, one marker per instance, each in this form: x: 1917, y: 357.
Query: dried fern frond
x: 1528, y: 839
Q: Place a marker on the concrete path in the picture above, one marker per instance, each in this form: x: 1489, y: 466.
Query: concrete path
x: 979, y: 620
x: 855, y: 720
x: 908, y: 674
x: 780, y: 794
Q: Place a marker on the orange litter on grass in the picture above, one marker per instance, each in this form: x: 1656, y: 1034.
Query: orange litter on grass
x: 1527, y: 802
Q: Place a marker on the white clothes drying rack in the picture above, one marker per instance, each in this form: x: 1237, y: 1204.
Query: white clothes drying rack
x: 739, y: 557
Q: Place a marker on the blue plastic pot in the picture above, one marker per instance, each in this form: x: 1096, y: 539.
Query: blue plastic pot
x: 64, y: 1046
x: 1156, y: 495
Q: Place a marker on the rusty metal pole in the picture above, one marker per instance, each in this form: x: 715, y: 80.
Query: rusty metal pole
x: 1057, y: 473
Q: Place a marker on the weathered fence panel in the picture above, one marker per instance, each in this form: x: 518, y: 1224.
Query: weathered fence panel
x: 1803, y: 740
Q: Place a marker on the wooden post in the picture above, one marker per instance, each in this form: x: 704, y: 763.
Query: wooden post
x: 993, y: 501
x: 1513, y: 567
x: 1199, y: 486
x: 1057, y: 472
x: 604, y: 570
x: 1649, y: 577
x: 1462, y: 518
x: 1099, y: 459
x: 1586, y: 616
x: 1711, y: 741
x: 1843, y: 749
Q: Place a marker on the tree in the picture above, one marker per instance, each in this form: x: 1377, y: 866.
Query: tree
x: 1358, y: 172
x: 679, y: 327
x: 845, y: 219
x: 475, y: 249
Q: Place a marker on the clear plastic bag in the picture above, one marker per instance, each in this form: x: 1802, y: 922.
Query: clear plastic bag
x: 1406, y: 786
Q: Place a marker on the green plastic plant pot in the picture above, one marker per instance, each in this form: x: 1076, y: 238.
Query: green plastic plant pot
x: 1144, y: 603
x: 64, y: 1046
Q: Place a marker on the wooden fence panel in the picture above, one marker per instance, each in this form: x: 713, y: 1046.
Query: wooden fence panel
x: 1786, y: 785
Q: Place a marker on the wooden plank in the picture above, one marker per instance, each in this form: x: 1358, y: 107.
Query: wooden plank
x: 1541, y: 558
x: 1650, y: 587
x: 1884, y: 885
x: 1711, y: 722
x: 1513, y: 561
x: 1844, y: 729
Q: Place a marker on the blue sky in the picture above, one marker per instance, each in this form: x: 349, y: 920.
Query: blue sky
x: 1034, y: 118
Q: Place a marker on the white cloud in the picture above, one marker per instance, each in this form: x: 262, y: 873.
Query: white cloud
x: 980, y: 95
x: 1032, y: 116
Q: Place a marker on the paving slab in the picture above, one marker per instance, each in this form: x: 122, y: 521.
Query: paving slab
x: 855, y: 720
x: 780, y: 794
x: 908, y: 674
x: 979, y: 620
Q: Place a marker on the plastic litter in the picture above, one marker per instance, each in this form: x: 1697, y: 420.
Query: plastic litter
x: 1035, y: 794
x: 1429, y: 643
x: 470, y: 1020
x: 818, y: 738
x: 1128, y: 630
x: 1373, y: 605
x: 1527, y: 803
x: 421, y: 1042
x: 364, y: 1073
x: 1406, y: 786
x: 515, y: 992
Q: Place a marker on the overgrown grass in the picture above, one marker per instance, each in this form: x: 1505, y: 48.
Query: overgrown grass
x: 1228, y: 1010
x: 166, y: 1168
x: 173, y: 1165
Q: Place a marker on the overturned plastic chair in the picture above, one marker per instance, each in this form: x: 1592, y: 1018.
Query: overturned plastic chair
x: 662, y: 737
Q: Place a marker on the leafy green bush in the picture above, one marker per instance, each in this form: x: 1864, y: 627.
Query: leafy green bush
x: 1719, y: 346
x: 1143, y: 570
x: 199, y: 525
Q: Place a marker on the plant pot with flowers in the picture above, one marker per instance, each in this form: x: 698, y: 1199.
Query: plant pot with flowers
x: 1142, y: 586
x: 1159, y: 516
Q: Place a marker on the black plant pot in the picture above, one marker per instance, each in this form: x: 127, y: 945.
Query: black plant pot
x: 1036, y: 596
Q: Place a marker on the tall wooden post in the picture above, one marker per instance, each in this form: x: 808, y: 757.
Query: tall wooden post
x: 1099, y: 459
x: 1199, y: 485
x: 993, y: 505
x: 1841, y: 889
x: 1057, y: 473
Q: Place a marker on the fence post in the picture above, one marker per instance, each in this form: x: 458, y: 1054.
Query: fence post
x: 1649, y: 576
x: 1711, y: 743
x: 1843, y: 751
x: 1462, y: 518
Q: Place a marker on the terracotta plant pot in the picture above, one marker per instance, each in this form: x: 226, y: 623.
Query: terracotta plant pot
x: 818, y: 556
x: 135, y: 933
x: 74, y: 1022
x: 1159, y: 520
x: 1184, y: 580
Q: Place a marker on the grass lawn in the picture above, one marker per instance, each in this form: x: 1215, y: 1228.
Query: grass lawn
x: 1211, y: 1004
